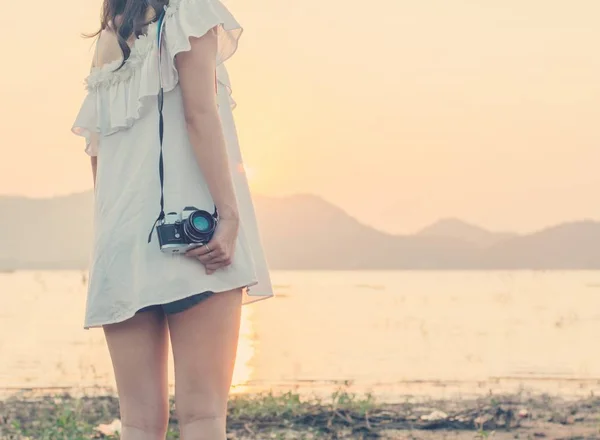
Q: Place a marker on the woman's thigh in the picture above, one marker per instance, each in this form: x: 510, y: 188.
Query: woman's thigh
x: 139, y: 351
x: 204, y: 340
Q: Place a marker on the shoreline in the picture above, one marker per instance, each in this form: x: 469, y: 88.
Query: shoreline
x: 568, y: 389
x: 343, y: 415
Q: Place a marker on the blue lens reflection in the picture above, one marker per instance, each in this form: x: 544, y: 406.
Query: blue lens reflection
x: 201, y: 223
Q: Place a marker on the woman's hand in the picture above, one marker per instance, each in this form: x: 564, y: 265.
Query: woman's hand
x: 218, y: 253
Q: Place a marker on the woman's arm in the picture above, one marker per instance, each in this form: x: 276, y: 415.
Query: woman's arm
x: 94, y: 168
x: 94, y: 159
x: 197, y: 81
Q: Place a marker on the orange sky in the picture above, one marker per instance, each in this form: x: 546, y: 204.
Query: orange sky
x: 400, y: 111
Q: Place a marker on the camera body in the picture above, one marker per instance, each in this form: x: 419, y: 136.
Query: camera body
x: 180, y: 233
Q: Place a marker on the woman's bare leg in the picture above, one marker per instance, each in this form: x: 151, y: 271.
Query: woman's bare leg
x: 204, y: 340
x: 139, y: 348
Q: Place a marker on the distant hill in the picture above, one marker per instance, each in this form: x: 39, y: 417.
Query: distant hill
x: 452, y: 227
x: 566, y: 246
x: 45, y: 233
x: 307, y: 232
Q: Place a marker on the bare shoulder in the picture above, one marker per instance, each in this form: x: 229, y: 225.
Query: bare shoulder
x: 107, y: 48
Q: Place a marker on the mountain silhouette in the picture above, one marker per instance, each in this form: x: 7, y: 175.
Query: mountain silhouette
x: 307, y: 232
x: 453, y: 227
x: 566, y: 246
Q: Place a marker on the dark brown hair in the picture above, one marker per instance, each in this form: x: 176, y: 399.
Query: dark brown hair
x: 126, y: 18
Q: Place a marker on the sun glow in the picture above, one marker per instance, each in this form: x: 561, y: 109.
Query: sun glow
x: 243, y: 371
x: 250, y: 173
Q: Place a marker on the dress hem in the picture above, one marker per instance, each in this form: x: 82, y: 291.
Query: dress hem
x: 248, y: 299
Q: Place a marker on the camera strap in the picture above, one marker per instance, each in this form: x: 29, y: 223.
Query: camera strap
x: 161, y: 129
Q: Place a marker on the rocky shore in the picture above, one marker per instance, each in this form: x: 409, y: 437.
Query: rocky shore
x: 343, y: 416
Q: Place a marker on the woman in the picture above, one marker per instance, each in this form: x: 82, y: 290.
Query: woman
x: 138, y: 293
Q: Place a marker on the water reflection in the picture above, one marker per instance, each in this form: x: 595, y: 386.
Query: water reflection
x: 243, y: 367
x: 43, y: 345
x: 393, y: 333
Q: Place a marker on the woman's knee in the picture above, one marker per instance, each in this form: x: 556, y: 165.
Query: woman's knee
x: 151, y: 418
x: 192, y: 407
x: 143, y: 392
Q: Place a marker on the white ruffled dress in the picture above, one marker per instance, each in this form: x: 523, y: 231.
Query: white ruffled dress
x: 119, y: 119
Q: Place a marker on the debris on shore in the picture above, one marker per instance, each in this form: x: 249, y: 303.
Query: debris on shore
x: 343, y: 416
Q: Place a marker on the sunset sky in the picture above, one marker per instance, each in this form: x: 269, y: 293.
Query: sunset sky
x: 398, y: 111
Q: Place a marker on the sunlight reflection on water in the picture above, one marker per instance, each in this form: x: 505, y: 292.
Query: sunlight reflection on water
x: 392, y: 333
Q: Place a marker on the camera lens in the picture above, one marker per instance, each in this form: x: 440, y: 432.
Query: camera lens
x: 199, y: 226
x: 201, y: 223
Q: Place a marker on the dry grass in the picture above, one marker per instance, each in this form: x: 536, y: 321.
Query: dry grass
x: 344, y: 415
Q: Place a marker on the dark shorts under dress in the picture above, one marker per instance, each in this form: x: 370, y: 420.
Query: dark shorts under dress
x: 178, y: 306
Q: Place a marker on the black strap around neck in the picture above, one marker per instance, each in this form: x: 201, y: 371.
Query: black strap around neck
x: 161, y: 165
x: 161, y: 132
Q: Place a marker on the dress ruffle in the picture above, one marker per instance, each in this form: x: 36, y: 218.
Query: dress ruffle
x: 116, y: 98
x: 194, y: 18
x: 86, y: 124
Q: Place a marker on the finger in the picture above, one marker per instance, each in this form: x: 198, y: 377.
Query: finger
x: 222, y: 261
x: 211, y: 257
x: 217, y: 250
x: 206, y: 258
x: 212, y: 268
x: 205, y: 249
x: 217, y: 263
x: 199, y: 251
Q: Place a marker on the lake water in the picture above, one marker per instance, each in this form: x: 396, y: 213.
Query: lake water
x: 391, y: 333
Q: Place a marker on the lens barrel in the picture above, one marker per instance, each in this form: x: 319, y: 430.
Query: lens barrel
x: 199, y: 226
